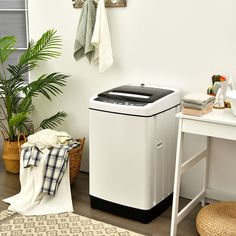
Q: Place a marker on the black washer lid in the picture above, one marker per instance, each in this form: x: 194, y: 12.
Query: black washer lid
x: 134, y: 93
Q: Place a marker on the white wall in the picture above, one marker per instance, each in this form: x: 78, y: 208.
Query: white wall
x: 174, y: 43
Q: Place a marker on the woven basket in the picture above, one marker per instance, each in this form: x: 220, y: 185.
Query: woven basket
x: 75, y: 156
x: 11, y: 154
x: 217, y: 219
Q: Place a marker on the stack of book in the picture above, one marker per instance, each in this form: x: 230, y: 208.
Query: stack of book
x: 197, y: 104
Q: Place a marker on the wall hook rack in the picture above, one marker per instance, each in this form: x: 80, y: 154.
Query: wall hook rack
x: 108, y: 3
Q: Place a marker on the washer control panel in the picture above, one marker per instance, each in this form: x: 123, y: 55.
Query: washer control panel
x: 133, y: 95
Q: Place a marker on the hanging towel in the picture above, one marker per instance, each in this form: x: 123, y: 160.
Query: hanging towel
x: 101, y: 39
x: 83, y: 46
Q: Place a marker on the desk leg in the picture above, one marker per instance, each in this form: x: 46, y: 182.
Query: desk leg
x: 205, y: 177
x: 178, y: 163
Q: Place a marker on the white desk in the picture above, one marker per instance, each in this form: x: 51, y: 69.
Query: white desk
x: 218, y: 123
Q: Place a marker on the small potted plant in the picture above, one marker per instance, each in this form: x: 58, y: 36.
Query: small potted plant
x: 16, y: 93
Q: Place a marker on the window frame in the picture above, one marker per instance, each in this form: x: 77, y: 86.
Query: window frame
x: 25, y: 26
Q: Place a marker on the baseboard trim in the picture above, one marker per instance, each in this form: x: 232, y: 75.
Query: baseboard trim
x: 220, y: 195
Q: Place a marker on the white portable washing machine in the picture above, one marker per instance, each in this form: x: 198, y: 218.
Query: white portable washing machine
x: 132, y: 134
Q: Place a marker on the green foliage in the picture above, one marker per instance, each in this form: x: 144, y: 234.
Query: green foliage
x: 6, y: 47
x: 52, y: 121
x: 17, y: 95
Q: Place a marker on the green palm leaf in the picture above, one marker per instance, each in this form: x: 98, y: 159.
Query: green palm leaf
x: 18, y: 118
x: 18, y: 71
x: 6, y: 47
x: 45, y: 48
x: 47, y: 85
x: 53, y: 121
x: 16, y: 94
x: 25, y: 127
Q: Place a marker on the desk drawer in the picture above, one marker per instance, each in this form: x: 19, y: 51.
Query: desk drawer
x: 209, y: 129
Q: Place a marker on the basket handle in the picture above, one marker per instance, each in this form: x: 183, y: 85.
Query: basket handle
x: 18, y: 139
x: 81, y: 141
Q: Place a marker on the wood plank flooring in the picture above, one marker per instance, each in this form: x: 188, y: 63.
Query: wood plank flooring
x: 9, y: 185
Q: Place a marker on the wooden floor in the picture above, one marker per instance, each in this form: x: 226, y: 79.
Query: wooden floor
x: 9, y: 185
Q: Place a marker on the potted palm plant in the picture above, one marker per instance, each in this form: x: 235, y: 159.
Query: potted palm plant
x: 16, y: 93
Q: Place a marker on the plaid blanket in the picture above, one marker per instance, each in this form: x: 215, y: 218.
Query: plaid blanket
x: 56, y: 164
x: 31, y: 156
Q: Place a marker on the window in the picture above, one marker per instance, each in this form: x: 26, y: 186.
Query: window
x: 14, y: 21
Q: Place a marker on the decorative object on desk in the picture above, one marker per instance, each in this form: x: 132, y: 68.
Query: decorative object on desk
x: 17, y: 94
x: 215, y: 79
x: 75, y: 156
x: 66, y: 223
x: 197, y: 104
x: 221, y: 85
x: 220, y: 95
x: 217, y: 219
x: 232, y: 98
x: 108, y: 3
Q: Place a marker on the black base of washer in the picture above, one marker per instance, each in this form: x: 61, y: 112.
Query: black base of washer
x: 144, y: 216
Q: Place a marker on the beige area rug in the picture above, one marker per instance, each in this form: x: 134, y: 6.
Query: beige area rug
x: 65, y: 224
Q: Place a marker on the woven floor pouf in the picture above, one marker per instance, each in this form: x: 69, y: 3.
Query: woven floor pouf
x: 217, y: 219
